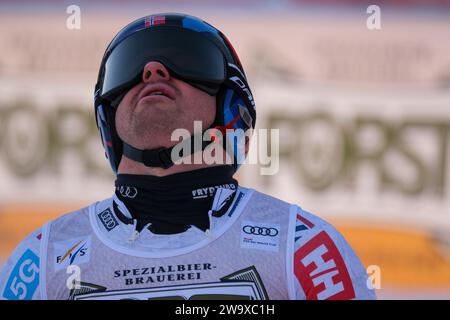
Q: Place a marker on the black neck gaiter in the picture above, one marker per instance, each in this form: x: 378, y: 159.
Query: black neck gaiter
x: 171, y: 204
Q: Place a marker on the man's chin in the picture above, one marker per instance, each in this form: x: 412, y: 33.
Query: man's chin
x: 156, y: 117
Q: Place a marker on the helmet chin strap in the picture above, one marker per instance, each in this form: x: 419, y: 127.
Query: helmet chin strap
x: 162, y: 157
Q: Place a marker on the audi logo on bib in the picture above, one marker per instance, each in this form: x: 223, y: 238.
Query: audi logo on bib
x: 127, y: 192
x: 260, y: 231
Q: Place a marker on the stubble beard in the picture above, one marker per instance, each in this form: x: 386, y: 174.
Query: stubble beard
x: 152, y: 126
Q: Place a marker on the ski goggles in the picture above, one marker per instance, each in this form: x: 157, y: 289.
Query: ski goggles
x: 189, y: 56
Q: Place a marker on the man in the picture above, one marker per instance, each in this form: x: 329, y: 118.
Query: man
x: 177, y: 228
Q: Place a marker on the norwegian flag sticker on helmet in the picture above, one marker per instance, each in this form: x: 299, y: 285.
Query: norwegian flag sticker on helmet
x: 154, y: 20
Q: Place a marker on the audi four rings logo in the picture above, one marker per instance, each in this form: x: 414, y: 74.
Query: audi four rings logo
x: 260, y: 231
x: 128, y: 192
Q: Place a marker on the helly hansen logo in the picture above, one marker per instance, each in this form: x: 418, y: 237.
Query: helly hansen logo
x: 321, y: 271
x: 108, y: 220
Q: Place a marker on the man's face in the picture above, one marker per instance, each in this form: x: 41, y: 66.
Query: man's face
x: 145, y: 118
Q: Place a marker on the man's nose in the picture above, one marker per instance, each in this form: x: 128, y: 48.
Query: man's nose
x: 153, y: 71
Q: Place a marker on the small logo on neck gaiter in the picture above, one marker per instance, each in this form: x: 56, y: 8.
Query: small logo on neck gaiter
x: 202, y: 193
x: 127, y: 192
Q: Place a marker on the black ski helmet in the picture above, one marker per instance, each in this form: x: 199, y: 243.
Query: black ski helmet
x: 193, y: 51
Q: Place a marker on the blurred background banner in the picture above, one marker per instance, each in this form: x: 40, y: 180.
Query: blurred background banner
x: 364, y: 119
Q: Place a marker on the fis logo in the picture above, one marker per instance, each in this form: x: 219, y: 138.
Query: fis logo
x: 71, y: 252
x: 78, y: 249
